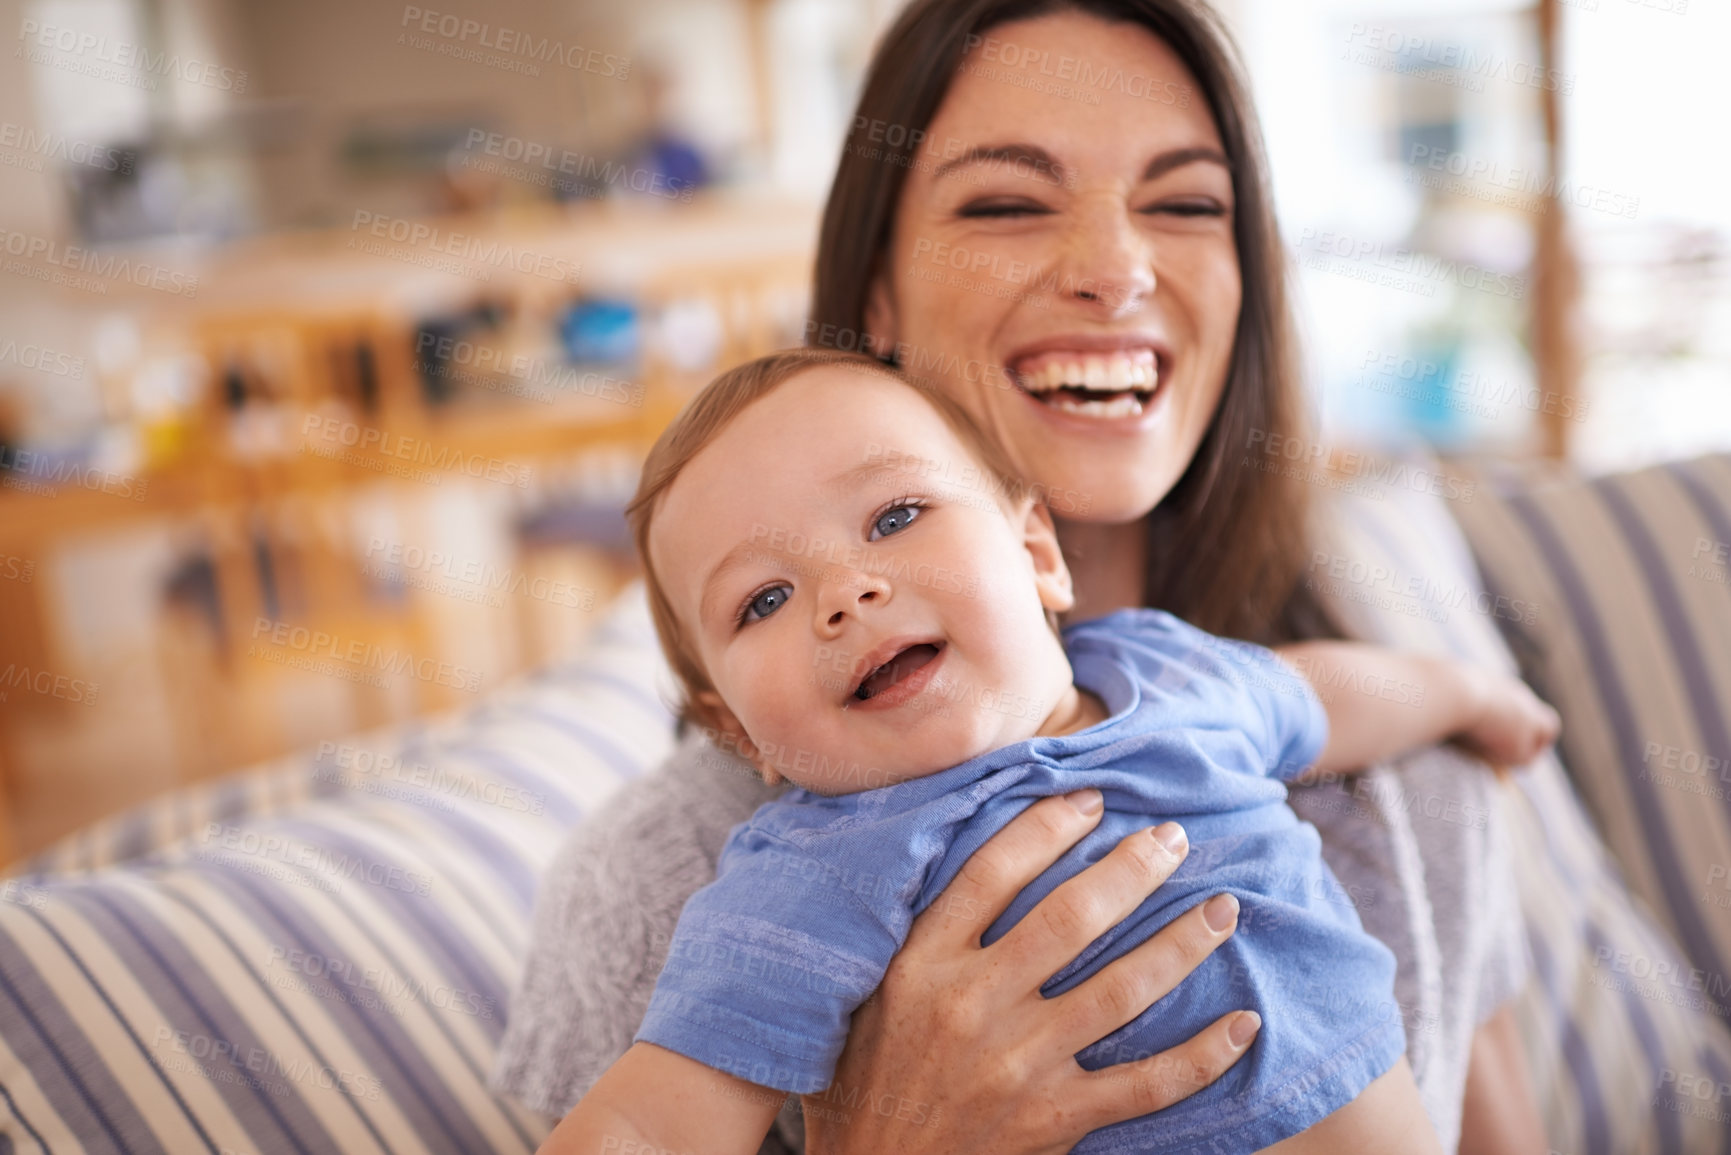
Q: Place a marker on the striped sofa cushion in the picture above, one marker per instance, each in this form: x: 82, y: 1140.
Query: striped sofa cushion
x: 1628, y: 580
x: 318, y: 956
x: 1620, y: 1066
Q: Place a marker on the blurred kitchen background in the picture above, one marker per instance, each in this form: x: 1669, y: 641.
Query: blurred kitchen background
x: 332, y: 333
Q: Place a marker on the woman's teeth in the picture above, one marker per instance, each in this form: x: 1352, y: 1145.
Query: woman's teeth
x: 1128, y: 405
x: 1095, y: 385
x: 1109, y: 373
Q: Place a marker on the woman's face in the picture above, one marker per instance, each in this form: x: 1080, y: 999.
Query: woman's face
x: 1063, y: 260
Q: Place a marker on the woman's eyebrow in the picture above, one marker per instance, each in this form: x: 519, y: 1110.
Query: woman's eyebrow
x: 1179, y: 157
x: 1032, y: 160
x: 1026, y: 159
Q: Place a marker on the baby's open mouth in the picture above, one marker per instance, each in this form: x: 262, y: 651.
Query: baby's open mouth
x: 1115, y: 384
x: 894, y: 670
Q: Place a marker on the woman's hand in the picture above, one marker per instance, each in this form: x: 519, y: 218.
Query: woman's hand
x: 959, y: 1051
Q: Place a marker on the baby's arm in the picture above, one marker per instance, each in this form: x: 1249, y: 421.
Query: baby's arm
x: 1381, y: 703
x: 1388, y: 1115
x: 654, y: 1099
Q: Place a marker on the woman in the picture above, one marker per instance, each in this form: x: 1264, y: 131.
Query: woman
x: 1040, y: 201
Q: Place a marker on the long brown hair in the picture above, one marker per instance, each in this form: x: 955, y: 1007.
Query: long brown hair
x: 1227, y: 543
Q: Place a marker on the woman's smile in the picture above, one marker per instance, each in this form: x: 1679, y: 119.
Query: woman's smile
x: 1107, y: 378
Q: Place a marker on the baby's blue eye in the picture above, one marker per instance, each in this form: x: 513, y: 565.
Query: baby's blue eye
x: 766, y: 603
x: 896, y: 520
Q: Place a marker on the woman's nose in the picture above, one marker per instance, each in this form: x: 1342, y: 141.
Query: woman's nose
x: 846, y: 595
x: 1108, y: 261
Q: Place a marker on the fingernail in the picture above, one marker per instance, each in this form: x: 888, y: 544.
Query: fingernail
x: 1243, y: 1029
x: 1171, y: 838
x: 1220, y: 912
x: 1086, y: 801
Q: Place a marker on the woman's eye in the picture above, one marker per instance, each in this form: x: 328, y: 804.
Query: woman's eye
x: 765, y: 603
x: 1001, y: 208
x: 895, y: 520
x: 1206, y: 208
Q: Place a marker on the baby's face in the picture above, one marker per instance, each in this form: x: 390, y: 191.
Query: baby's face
x: 850, y: 579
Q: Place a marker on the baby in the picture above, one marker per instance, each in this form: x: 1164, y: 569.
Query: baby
x: 851, y: 584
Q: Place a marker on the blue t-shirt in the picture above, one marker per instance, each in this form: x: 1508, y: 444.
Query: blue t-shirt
x: 815, y: 894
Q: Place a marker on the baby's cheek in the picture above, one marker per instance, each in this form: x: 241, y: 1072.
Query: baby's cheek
x: 792, y: 729
x: 1009, y: 609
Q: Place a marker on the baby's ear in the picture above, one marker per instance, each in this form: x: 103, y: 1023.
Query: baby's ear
x: 880, y: 315
x: 725, y: 731
x: 1051, y: 573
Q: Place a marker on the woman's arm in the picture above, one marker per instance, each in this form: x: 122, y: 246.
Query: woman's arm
x: 1382, y: 702
x: 959, y: 1051
x: 655, y: 1100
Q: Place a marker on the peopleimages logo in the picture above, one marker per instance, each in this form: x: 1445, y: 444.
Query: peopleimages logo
x: 1398, y: 374
x: 1415, y: 595
x: 42, y: 359
x: 47, y: 683
x: 583, y: 170
x: 375, y: 448
x: 379, y: 980
x: 352, y: 655
x: 1087, y: 76
x: 92, y: 51
x: 320, y: 860
x: 46, y: 474
x: 1457, y: 64
x: 35, y: 146
x: 255, y: 1068
x: 489, y: 252
x: 509, y: 49
x: 542, y: 379
x: 1529, y: 189
x: 1312, y: 461
x: 100, y: 267
x: 369, y: 767
x: 470, y: 579
x: 1392, y: 266
x: 989, y: 266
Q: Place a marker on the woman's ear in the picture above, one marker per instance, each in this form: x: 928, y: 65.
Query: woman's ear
x: 880, y: 315
x: 1051, y: 573
x: 729, y: 735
